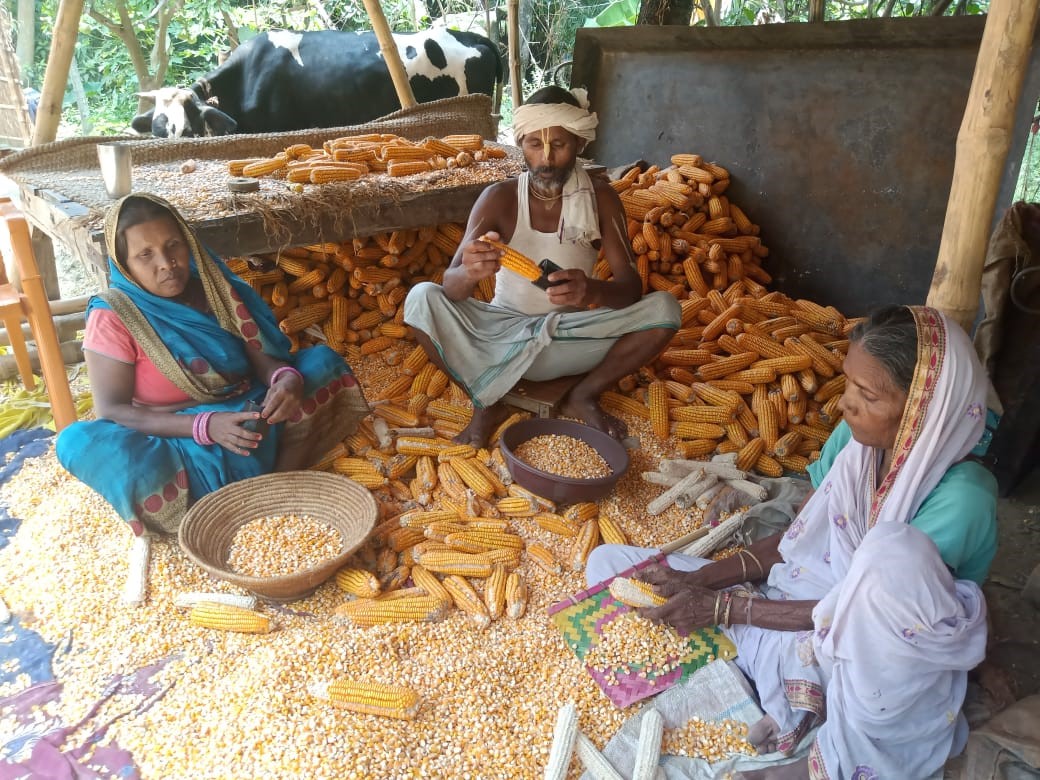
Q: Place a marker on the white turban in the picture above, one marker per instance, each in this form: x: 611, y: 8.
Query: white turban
x: 580, y: 121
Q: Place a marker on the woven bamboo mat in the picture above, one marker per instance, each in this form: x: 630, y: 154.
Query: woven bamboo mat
x: 70, y: 167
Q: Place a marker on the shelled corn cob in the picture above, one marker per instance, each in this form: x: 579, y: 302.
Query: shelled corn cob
x: 350, y: 157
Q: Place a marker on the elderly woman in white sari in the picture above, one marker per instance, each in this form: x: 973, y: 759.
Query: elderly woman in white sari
x: 867, y: 613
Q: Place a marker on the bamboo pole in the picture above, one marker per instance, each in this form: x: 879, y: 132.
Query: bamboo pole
x: 66, y: 28
x: 390, y: 53
x: 982, y: 147
x: 513, y: 40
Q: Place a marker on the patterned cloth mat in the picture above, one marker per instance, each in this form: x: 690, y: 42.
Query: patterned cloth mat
x: 585, y: 617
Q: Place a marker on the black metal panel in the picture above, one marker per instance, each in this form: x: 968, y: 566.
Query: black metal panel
x: 840, y: 137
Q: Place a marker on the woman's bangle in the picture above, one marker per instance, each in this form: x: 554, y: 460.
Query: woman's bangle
x: 758, y: 563
x: 283, y: 370
x: 200, y: 429
x: 715, y: 612
x: 747, y: 618
x: 743, y: 566
x: 729, y: 605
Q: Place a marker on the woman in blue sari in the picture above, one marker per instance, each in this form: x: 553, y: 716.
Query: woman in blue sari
x: 181, y: 354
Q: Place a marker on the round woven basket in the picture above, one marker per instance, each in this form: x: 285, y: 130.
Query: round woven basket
x: 209, y: 527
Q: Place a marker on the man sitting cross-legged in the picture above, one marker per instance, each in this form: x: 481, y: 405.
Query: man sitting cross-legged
x: 555, y: 211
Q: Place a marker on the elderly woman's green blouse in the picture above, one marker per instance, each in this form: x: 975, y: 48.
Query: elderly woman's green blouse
x: 960, y: 514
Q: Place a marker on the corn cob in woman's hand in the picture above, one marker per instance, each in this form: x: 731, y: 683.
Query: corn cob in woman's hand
x: 514, y: 261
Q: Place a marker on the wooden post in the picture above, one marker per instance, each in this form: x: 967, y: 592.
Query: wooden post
x: 66, y: 28
x: 390, y: 53
x: 817, y: 8
x: 982, y: 147
x: 513, y: 39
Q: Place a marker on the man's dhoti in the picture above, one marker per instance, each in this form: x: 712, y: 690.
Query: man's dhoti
x: 488, y: 349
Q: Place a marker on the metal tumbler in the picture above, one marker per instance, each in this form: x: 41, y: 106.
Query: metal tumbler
x: 116, y: 168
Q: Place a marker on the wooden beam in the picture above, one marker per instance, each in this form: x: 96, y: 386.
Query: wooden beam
x: 982, y: 147
x: 816, y: 10
x: 66, y: 28
x: 513, y: 41
x: 390, y: 53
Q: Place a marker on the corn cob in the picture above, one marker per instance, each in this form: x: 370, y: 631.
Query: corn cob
x: 372, y: 612
x: 396, y: 578
x: 584, y: 543
x: 517, y: 506
x: 225, y: 617
x: 697, y: 448
x: 489, y: 540
x: 830, y: 388
x: 555, y: 524
x: 414, y: 445
x: 429, y: 583
x: 611, y: 531
x: 749, y: 454
x: 724, y: 367
x: 822, y: 361
x: 692, y: 430
x: 516, y: 595
x: 717, y: 415
x: 768, y: 467
x: 450, y: 481
x: 188, y: 600
x: 388, y: 701
x: 304, y: 316
x: 635, y: 593
x: 466, y: 142
x: 451, y: 562
x: 544, y: 558
x: 769, y: 426
x: 262, y: 167
x: 543, y: 504
x: 513, y: 261
x: 467, y: 600
x: 422, y: 519
x: 579, y: 513
x: 459, y: 451
x: 685, y: 357
x: 357, y: 582
x: 787, y: 444
x: 322, y: 174
x: 785, y: 365
x: 415, y: 360
x: 616, y: 402
x: 495, y: 592
x: 354, y: 467
x: 473, y: 477
x: 797, y: 463
x: 565, y: 732
x: 444, y: 410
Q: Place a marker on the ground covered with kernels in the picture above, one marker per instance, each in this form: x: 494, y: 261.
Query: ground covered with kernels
x: 225, y: 704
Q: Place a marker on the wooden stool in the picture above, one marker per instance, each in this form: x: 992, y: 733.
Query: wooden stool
x: 542, y: 398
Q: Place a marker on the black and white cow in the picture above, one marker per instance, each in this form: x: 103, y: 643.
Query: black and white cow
x: 284, y: 80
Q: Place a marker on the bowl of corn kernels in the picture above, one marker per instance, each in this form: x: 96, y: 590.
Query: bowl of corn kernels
x: 562, y: 460
x: 279, y: 535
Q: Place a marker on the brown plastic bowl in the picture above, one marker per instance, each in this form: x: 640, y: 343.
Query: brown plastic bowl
x: 209, y: 527
x: 563, y: 490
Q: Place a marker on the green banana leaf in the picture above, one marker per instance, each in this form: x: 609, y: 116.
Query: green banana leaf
x: 620, y: 13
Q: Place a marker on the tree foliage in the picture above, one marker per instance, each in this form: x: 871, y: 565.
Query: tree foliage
x: 126, y: 46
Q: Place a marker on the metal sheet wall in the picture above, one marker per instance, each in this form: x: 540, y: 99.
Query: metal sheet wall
x: 840, y: 137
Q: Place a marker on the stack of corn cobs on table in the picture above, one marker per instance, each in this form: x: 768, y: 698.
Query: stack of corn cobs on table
x: 751, y: 372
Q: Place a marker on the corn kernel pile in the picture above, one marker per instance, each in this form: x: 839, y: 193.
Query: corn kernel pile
x: 631, y: 641
x: 710, y: 740
x: 564, y: 456
x: 472, y: 560
x: 282, y: 545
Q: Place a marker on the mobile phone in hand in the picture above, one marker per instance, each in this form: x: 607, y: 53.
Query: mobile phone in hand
x: 548, y: 267
x: 259, y: 425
